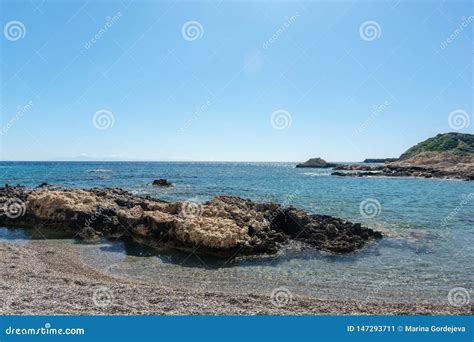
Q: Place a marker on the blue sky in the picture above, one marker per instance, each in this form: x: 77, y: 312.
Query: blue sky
x: 161, y: 93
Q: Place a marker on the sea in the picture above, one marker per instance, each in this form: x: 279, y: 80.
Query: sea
x: 426, y: 255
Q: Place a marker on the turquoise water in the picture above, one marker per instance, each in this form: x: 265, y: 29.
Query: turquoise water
x: 429, y: 226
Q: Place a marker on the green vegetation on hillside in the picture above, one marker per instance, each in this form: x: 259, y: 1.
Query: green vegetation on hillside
x: 456, y: 143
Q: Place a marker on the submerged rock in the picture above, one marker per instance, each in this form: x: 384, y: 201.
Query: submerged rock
x: 226, y: 226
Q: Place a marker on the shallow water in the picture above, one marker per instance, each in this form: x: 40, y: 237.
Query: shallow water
x: 421, y: 258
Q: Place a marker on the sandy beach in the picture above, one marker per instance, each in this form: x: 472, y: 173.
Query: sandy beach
x: 49, y: 279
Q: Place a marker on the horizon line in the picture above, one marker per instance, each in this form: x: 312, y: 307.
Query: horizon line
x: 169, y: 161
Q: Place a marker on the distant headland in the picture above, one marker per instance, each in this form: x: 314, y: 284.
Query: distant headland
x: 447, y: 155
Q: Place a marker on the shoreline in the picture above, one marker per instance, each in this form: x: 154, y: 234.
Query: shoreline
x: 52, y: 280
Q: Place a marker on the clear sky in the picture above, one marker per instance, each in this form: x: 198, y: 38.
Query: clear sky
x: 238, y: 81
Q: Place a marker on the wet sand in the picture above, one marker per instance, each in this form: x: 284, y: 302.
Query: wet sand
x: 37, y: 279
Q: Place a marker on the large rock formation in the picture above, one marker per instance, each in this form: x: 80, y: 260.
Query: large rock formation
x: 449, y: 155
x: 316, y: 163
x: 225, y: 226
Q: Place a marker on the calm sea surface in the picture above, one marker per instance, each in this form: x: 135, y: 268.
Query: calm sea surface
x: 429, y: 228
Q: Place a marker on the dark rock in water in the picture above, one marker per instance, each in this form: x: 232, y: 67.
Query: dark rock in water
x: 161, y: 182
x: 357, y: 174
x: 226, y: 226
x: 316, y: 163
x: 42, y: 185
x: 358, y: 167
x: 381, y: 161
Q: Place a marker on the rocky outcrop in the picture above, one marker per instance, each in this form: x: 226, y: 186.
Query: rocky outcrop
x: 316, y: 163
x: 424, y: 165
x: 438, y: 164
x: 356, y: 167
x: 458, y: 144
x: 380, y: 161
x: 449, y: 155
x: 161, y: 182
x: 225, y: 226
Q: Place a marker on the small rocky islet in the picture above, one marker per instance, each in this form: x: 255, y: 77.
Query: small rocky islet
x: 448, y: 155
x: 316, y: 163
x: 226, y: 226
